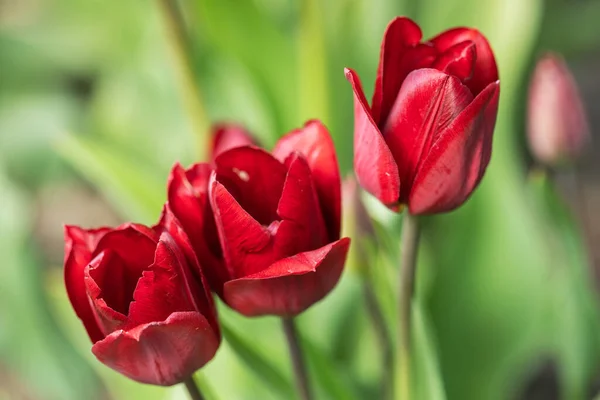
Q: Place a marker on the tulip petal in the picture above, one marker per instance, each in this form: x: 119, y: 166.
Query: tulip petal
x: 375, y: 167
x: 314, y: 142
x: 246, y: 243
x: 229, y: 136
x: 427, y: 103
x: 458, y: 159
x: 129, y: 251
x: 186, y: 261
x: 299, y: 206
x: 486, y: 71
x: 188, y: 201
x: 163, y: 287
x: 254, y: 178
x: 459, y: 60
x: 79, y: 246
x: 400, y: 36
x: 160, y: 353
x: 291, y: 285
x: 107, y: 318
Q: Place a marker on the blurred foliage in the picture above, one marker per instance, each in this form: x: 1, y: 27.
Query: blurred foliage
x: 88, y: 90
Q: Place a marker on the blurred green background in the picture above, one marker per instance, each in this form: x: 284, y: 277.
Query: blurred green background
x: 92, y: 117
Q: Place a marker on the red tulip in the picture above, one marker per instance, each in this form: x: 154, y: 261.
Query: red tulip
x: 557, y: 125
x: 142, y: 299
x: 188, y: 200
x: 278, y: 222
x: 229, y: 136
x: 426, y: 140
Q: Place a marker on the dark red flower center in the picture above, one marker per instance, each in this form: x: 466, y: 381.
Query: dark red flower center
x: 127, y: 254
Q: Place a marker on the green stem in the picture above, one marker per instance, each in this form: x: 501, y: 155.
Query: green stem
x: 192, y: 96
x: 300, y: 371
x: 381, y: 332
x: 410, y: 245
x: 193, y: 389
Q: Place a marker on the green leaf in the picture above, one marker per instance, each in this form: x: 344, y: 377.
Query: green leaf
x: 205, y: 386
x: 241, y: 31
x: 257, y: 363
x: 312, y: 74
x: 134, y: 189
x: 579, y: 19
x: 429, y: 383
x: 328, y: 375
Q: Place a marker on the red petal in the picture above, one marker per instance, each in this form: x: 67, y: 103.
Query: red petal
x: 188, y: 200
x: 457, y: 161
x: 459, y: 60
x: 164, y: 287
x: 186, y: 262
x: 291, y: 285
x: 129, y: 251
x: 315, y: 144
x: 162, y: 353
x: 246, y: 243
x: 400, y: 36
x: 428, y: 102
x: 299, y: 205
x: 79, y: 246
x: 376, y: 169
x: 229, y: 136
x: 486, y: 71
x: 108, y: 267
x: 255, y: 178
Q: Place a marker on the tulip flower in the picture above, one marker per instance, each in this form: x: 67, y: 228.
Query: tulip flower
x: 188, y: 200
x: 142, y: 299
x: 276, y: 218
x: 426, y: 139
x: 556, y: 125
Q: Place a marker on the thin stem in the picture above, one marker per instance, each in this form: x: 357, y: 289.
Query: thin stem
x: 297, y: 360
x: 409, y: 248
x: 193, y: 389
x: 192, y: 96
x: 382, y: 333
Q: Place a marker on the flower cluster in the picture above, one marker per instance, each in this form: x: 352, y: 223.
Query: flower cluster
x: 261, y: 229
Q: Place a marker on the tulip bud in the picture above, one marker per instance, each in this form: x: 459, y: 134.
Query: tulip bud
x: 557, y: 126
x: 142, y: 299
x: 426, y: 139
x: 229, y: 136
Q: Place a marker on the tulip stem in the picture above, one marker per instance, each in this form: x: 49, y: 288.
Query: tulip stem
x: 300, y: 372
x: 383, y: 336
x: 182, y: 52
x: 193, y: 389
x: 409, y: 248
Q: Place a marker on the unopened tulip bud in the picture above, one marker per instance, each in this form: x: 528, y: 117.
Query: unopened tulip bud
x: 557, y: 126
x: 426, y: 138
